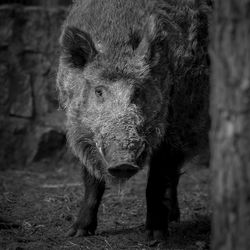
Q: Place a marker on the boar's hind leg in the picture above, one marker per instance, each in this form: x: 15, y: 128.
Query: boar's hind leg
x: 86, y: 222
x: 161, y: 193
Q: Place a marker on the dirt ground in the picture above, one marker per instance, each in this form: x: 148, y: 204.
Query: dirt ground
x: 38, y: 205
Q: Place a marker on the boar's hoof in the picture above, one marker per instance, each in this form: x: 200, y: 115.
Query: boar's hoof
x: 78, y: 232
x: 156, y: 237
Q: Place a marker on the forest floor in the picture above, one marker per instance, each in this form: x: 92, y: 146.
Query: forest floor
x: 38, y: 205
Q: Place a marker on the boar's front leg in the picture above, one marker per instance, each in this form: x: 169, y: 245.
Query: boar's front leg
x: 86, y: 222
x: 161, y: 193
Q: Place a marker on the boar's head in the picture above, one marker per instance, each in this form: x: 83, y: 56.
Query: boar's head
x: 115, y: 99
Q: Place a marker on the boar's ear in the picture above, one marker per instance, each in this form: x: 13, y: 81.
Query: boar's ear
x: 143, y: 48
x: 77, y: 47
x: 146, y: 48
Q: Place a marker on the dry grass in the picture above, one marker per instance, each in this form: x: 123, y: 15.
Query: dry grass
x: 38, y: 205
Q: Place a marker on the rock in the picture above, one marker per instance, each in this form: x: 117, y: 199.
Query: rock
x: 4, y: 87
x: 13, y: 133
x: 22, y: 102
x: 31, y: 127
x: 50, y: 142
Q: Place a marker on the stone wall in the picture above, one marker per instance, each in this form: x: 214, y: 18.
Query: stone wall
x: 47, y: 3
x: 31, y: 124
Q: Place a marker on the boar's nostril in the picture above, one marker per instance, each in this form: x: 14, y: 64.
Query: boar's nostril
x: 123, y: 170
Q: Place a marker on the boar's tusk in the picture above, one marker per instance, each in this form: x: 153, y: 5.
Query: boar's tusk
x: 140, y: 151
x: 102, y: 155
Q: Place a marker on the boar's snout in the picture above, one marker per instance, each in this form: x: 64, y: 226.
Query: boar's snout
x: 123, y: 170
x: 126, y: 169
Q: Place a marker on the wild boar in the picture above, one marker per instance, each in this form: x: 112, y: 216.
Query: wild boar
x: 133, y: 79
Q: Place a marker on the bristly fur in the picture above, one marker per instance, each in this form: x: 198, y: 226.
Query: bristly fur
x: 134, y: 82
x: 158, y: 47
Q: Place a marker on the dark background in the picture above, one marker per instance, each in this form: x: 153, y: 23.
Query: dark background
x: 47, y: 3
x: 31, y: 124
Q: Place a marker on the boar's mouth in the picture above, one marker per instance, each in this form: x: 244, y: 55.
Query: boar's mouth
x: 122, y: 169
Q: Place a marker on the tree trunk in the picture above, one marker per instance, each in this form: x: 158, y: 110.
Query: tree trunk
x: 230, y: 133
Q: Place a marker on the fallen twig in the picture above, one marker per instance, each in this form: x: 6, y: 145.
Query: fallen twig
x: 61, y: 185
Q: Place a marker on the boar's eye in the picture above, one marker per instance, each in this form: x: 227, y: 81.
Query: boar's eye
x: 99, y: 92
x: 137, y: 94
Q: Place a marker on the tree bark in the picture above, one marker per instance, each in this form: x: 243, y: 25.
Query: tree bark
x: 230, y: 132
